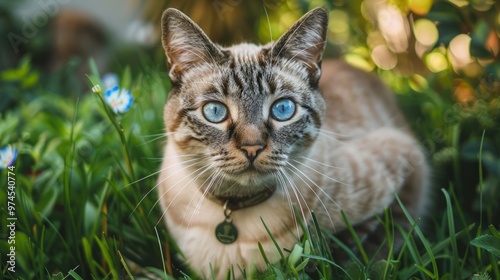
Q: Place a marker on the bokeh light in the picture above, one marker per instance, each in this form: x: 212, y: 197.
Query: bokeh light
x: 459, y: 3
x: 384, y: 57
x: 360, y: 57
x: 426, y: 32
x: 463, y: 92
x: 394, y: 27
x: 418, y: 83
x: 459, y: 51
x: 482, y: 5
x: 338, y: 28
x: 436, y: 61
x: 498, y: 24
x: 492, y: 43
x: 420, y: 7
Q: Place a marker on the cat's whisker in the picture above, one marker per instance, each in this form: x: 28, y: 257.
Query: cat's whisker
x: 152, y: 174
x: 301, y: 175
x: 298, y: 195
x: 330, y: 137
x: 206, y: 167
x: 198, y: 157
x: 156, y: 135
x: 270, y: 30
x: 206, y: 190
x: 324, y: 175
x: 282, y: 182
x: 155, y: 186
x: 334, y: 133
x: 214, y: 178
x: 152, y: 140
x: 321, y: 163
x: 179, y: 171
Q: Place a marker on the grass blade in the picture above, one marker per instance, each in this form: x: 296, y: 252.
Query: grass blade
x: 451, y: 229
x: 356, y: 238
x: 425, y: 242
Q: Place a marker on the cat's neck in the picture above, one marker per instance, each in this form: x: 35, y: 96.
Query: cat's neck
x: 234, y: 203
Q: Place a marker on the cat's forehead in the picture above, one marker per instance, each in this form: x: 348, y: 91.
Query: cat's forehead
x: 245, y: 53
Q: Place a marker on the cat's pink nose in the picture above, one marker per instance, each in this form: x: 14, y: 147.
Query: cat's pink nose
x: 252, y: 151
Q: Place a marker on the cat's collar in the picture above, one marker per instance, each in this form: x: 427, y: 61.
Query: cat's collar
x: 237, y: 203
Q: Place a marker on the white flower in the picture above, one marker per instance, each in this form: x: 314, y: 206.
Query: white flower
x: 96, y: 89
x: 7, y: 156
x: 120, y: 100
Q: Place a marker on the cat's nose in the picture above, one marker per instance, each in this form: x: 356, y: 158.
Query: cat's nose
x: 251, y: 151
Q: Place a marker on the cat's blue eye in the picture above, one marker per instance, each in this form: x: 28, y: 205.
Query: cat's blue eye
x: 215, y: 112
x: 283, y: 109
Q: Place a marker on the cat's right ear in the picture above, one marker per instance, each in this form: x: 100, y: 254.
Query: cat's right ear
x: 185, y: 44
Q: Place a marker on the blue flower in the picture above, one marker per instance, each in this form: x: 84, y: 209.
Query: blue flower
x: 8, y: 156
x: 120, y: 100
x: 110, y: 80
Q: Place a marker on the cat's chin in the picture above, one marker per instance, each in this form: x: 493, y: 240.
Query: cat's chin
x: 245, y: 183
x: 251, y: 178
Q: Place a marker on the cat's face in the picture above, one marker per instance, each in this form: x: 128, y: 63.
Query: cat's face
x: 247, y: 111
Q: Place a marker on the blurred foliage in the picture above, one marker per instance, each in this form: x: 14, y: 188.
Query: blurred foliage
x: 79, y: 203
x: 76, y: 197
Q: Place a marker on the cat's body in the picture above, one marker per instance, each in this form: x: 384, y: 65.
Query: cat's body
x: 232, y: 134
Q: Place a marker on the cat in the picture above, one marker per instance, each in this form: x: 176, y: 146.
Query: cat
x: 253, y: 130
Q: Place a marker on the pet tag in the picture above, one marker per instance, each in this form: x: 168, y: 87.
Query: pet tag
x: 226, y: 232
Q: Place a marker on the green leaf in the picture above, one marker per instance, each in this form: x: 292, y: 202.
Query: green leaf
x: 355, y: 271
x: 494, y: 231
x: 447, y: 31
x: 483, y: 276
x: 94, y: 71
x: 75, y: 275
x: 105, y: 250
x: 445, y: 12
x: 295, y: 255
x: 47, y: 200
x: 489, y: 243
x: 481, y: 31
x: 302, y: 265
x: 354, y: 235
x: 478, y: 39
x: 126, y: 79
x: 19, y: 73
x: 470, y: 149
x: 30, y: 80
x: 378, y: 270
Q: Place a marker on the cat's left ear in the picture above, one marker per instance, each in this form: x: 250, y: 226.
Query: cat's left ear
x: 305, y: 40
x: 185, y: 44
